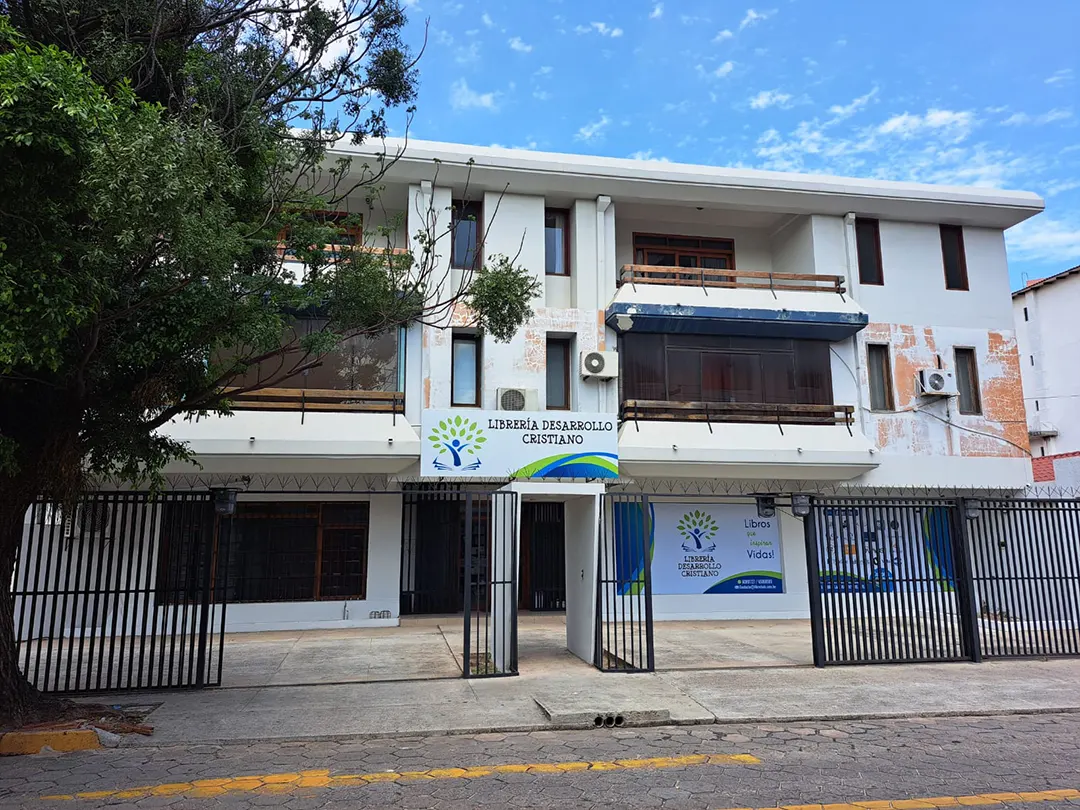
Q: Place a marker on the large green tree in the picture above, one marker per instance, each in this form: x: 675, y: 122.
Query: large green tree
x: 153, y: 153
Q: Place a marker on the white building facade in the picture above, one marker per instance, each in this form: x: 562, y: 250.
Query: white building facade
x: 1044, y: 312
x: 702, y: 335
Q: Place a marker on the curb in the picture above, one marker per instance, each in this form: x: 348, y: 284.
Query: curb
x: 529, y: 728
x: 34, y: 742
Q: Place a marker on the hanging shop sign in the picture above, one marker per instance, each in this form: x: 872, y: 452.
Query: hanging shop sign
x: 496, y: 444
x: 714, y: 548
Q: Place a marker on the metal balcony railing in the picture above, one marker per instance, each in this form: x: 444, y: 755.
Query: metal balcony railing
x: 740, y: 279
x: 319, y: 399
x: 652, y: 410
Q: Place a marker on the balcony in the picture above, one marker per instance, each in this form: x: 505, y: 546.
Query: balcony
x: 749, y: 303
x: 636, y: 410
x: 730, y: 279
x: 319, y: 399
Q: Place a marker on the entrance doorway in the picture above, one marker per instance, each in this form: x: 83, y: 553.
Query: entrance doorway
x: 543, y: 557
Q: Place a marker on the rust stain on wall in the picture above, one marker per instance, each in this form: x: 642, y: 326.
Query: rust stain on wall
x: 1002, y: 423
x: 427, y: 392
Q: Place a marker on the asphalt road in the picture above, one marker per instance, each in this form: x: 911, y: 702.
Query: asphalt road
x: 943, y: 762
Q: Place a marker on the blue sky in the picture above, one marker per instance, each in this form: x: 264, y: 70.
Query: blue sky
x: 952, y: 91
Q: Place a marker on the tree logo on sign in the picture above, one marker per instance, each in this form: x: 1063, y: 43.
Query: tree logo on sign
x: 457, y: 441
x: 698, y: 529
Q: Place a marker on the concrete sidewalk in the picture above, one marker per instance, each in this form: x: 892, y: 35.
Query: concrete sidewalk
x: 335, y: 711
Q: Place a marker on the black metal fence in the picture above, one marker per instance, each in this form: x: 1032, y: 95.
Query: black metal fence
x: 459, y: 555
x: 910, y: 580
x: 543, y: 561
x: 624, y: 619
x: 120, y: 593
x: 1026, y: 569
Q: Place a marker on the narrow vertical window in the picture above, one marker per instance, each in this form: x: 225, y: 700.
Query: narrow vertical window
x: 880, y: 372
x: 967, y: 382
x: 868, y: 247
x: 557, y: 242
x: 952, y: 253
x: 465, y: 371
x: 558, y: 374
x: 465, y: 247
x: 1025, y: 314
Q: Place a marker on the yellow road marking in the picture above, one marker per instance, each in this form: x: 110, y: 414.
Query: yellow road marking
x: 975, y: 800
x: 287, y: 782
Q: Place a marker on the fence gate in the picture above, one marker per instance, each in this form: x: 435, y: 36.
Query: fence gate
x: 889, y: 580
x: 624, y: 619
x: 121, y: 594
x: 1025, y: 557
x: 491, y: 561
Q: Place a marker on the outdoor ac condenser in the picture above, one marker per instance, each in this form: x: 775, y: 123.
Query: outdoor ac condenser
x: 600, y: 365
x: 937, y: 382
x: 518, y: 399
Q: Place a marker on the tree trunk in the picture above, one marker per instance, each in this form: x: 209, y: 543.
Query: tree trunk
x: 18, y: 697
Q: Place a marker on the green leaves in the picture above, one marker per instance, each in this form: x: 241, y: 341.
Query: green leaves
x: 501, y: 296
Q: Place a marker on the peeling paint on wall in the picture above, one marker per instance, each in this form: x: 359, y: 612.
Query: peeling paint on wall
x: 925, y: 426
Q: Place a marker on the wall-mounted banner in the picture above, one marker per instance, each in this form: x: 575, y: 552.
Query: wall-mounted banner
x: 714, y: 548
x: 515, y: 444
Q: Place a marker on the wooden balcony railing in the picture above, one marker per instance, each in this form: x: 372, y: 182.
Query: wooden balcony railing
x: 741, y: 279
x: 653, y: 410
x: 319, y: 399
x: 283, y: 251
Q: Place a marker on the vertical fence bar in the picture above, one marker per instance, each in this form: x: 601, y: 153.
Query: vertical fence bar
x: 813, y: 577
x: 468, y: 542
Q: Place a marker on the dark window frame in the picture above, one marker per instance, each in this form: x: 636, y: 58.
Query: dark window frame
x: 460, y: 212
x: 954, y: 232
x: 889, y: 392
x: 879, y: 279
x: 565, y: 213
x: 566, y: 345
x: 975, y: 388
x: 477, y: 340
x: 641, y: 250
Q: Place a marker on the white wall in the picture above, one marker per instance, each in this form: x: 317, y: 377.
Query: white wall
x: 1051, y: 337
x: 582, y: 517
x: 792, y: 247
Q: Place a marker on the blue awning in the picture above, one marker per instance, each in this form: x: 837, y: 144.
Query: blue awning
x: 823, y: 324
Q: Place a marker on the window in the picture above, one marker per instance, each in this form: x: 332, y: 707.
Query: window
x: 967, y: 381
x: 712, y: 368
x: 556, y: 242
x: 879, y: 369
x: 465, y: 249
x: 661, y: 250
x: 868, y: 247
x: 558, y: 374
x: 1042, y: 450
x: 1025, y: 313
x: 465, y: 371
x: 952, y: 252
x: 1036, y: 406
x: 1032, y: 358
x: 272, y: 552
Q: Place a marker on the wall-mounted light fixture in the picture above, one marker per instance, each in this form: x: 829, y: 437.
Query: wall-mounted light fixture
x: 972, y: 509
x: 225, y: 501
x: 800, y: 505
x: 766, y: 506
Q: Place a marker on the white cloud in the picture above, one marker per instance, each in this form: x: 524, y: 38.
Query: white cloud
x: 1060, y: 76
x: 541, y: 95
x: 544, y: 71
x: 1016, y: 119
x: 601, y: 28
x: 753, y: 17
x: 725, y: 34
x: 453, y: 8
x: 485, y: 18
x: 467, y: 54
x: 411, y: 3
x: 443, y: 37
x: 648, y: 155
x: 907, y: 125
x: 1055, y: 187
x: 1044, y: 239
x: 462, y: 97
x: 593, y: 130
x: 842, y: 111
x: 657, y: 12
x: 769, y: 98
x: 516, y: 44
x: 721, y: 72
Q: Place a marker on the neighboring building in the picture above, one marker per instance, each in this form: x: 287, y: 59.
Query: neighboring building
x: 760, y: 334
x: 1049, y: 344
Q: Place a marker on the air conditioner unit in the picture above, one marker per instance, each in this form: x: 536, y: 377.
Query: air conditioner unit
x: 600, y: 365
x: 518, y: 399
x: 937, y: 382
x: 87, y: 521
